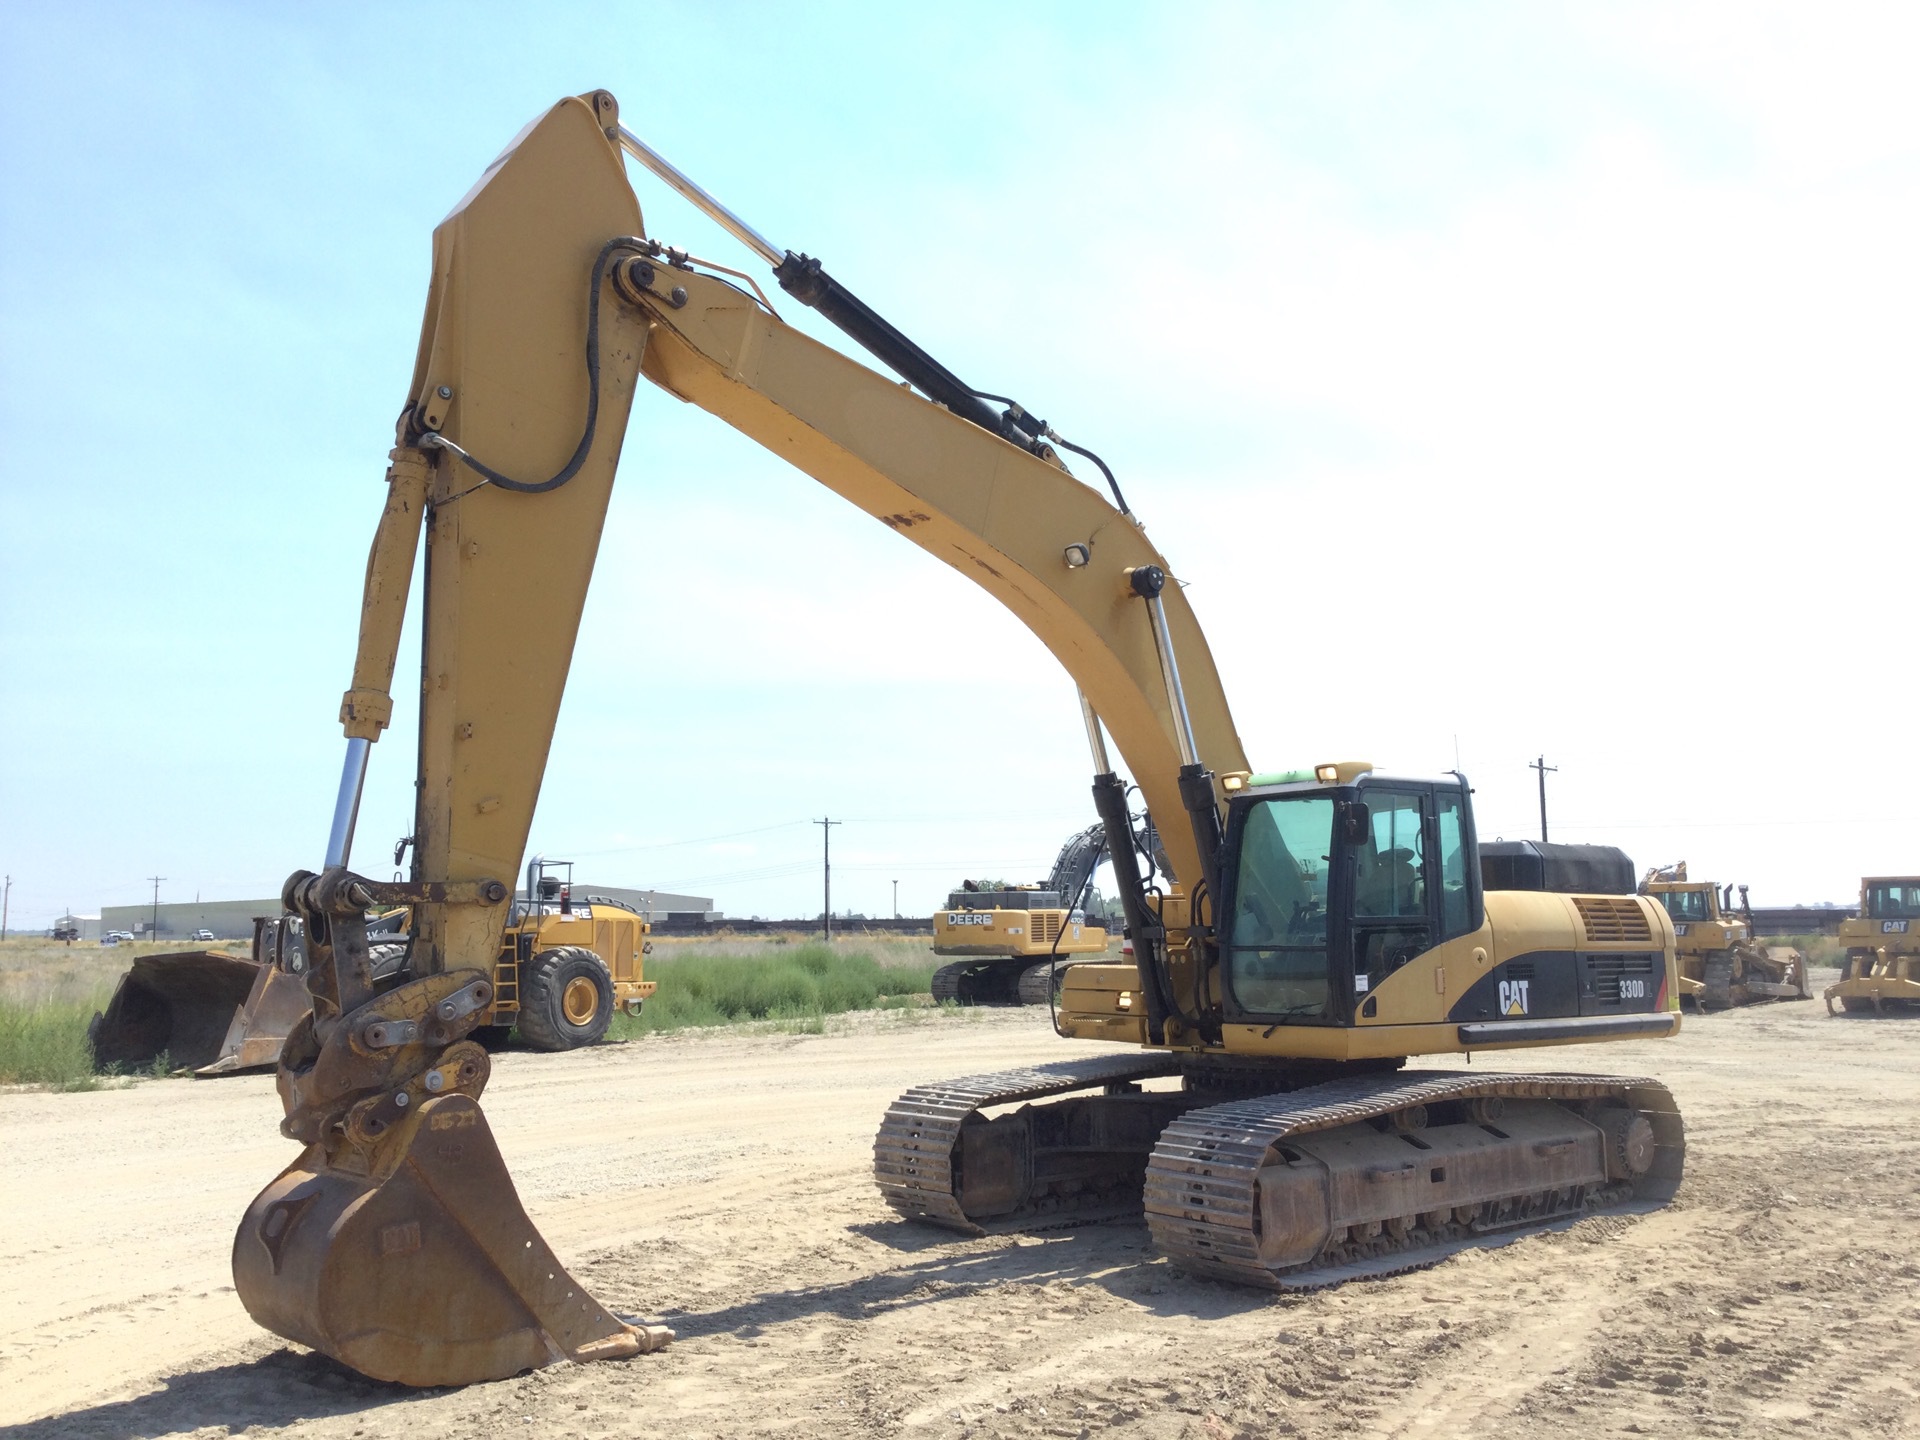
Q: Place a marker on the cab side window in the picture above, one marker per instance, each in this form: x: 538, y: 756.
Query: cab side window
x: 1391, y: 874
x: 1455, y: 903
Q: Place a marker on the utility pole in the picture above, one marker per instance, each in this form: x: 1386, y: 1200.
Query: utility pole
x: 1542, y: 766
x: 154, y: 933
x: 826, y: 872
x: 896, y: 903
x: 6, y: 899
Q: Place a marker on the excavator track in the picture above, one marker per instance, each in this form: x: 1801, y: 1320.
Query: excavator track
x: 1345, y: 1179
x: 1035, y: 982
x: 920, y: 1155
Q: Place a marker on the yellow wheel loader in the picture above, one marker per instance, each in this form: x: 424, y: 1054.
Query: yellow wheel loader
x: 562, y: 972
x: 1013, y: 939
x: 1722, y: 963
x: 1882, y: 969
x: 1311, y: 932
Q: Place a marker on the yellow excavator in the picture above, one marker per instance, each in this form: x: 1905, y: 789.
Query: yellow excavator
x: 1314, y: 929
x: 1722, y: 963
x: 1009, y: 940
x: 1882, y: 968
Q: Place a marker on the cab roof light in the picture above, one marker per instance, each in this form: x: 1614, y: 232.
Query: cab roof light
x: 1339, y: 772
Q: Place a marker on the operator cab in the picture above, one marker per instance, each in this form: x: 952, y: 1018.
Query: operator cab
x: 1333, y: 880
x: 1894, y: 899
x: 1689, y: 905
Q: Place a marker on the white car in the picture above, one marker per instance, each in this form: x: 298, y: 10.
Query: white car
x: 203, y: 935
x: 114, y: 937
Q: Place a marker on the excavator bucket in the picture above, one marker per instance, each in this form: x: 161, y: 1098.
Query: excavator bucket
x: 429, y: 1273
x: 205, y: 1010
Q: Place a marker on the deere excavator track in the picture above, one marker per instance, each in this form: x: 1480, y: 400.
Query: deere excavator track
x: 1367, y: 1176
x: 1035, y: 982
x: 1010, y: 981
x: 938, y: 1158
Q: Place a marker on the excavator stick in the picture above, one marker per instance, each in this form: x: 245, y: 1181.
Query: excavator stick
x: 429, y: 1275
x: 396, y: 1243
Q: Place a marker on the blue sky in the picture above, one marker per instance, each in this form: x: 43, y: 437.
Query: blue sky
x: 1500, y: 378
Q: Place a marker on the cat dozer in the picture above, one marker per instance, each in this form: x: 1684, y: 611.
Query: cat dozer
x: 1310, y: 932
x: 1722, y: 963
x: 1881, y: 973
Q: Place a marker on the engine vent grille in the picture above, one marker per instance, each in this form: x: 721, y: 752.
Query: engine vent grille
x: 1046, y: 926
x: 1613, y: 920
x: 1612, y: 967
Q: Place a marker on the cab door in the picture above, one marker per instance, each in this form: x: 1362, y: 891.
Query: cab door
x: 1395, y: 899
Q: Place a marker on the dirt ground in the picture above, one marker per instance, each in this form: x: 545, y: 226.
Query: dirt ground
x: 718, y: 1181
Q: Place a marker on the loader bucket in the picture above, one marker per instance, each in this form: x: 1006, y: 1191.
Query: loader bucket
x: 205, y: 1010
x: 432, y: 1275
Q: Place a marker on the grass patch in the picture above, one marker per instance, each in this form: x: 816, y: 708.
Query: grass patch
x: 45, y: 1043
x: 790, y: 982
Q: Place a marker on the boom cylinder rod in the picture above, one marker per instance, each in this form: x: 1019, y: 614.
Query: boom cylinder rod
x: 1096, y: 741
x: 699, y: 198
x: 346, y: 805
x: 1147, y: 582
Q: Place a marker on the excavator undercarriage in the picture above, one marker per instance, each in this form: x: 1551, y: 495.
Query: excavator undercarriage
x: 1367, y: 1174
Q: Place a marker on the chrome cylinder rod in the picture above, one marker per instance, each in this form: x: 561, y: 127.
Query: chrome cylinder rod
x: 1096, y: 741
x: 1170, y: 673
x: 346, y: 806
x: 700, y: 199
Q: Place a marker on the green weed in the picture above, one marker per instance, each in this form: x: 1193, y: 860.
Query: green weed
x: 797, y: 982
x: 45, y: 1043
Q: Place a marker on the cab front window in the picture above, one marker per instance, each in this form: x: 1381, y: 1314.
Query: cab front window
x: 1686, y: 904
x: 1894, y: 900
x: 1278, y: 929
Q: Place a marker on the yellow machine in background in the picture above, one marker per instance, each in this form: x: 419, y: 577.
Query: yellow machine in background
x: 1311, y: 931
x: 1883, y: 948
x: 1721, y: 962
x: 562, y: 972
x: 1014, y: 937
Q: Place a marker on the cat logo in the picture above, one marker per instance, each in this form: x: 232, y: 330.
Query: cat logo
x: 1513, y: 997
x: 1680, y: 930
x: 1893, y: 927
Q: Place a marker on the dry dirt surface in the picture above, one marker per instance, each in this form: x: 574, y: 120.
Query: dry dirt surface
x: 719, y: 1181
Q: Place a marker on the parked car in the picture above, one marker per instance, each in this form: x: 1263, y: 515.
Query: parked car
x: 114, y: 937
x: 203, y: 935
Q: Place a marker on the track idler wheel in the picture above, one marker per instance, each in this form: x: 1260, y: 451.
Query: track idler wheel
x: 427, y: 1272
x: 1629, y: 1142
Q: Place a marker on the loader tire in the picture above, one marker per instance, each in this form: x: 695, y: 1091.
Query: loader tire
x: 566, y: 999
x: 387, y: 964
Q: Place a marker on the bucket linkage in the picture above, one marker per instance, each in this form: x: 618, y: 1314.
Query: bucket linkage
x: 396, y: 1243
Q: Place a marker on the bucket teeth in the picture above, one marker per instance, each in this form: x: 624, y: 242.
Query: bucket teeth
x: 432, y: 1275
